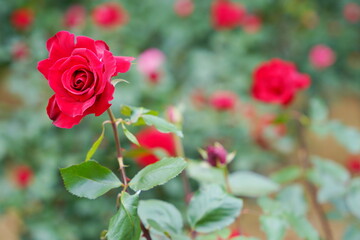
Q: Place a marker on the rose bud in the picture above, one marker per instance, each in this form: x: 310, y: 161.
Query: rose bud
x: 251, y: 23
x: 75, y: 16
x: 277, y: 82
x: 109, y: 15
x: 22, y: 176
x: 22, y: 18
x: 353, y: 164
x: 149, y: 64
x: 215, y: 155
x: 184, y: 8
x: 352, y: 12
x: 151, y: 139
x: 20, y: 51
x: 226, y: 14
x: 223, y: 100
x: 79, y: 71
x: 173, y: 115
x: 321, y: 56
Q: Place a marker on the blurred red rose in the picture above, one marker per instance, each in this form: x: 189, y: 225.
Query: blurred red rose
x: 75, y: 16
x: 353, y: 164
x: 352, y: 12
x: 233, y: 234
x: 79, y: 70
x: 321, y: 56
x: 226, y: 14
x: 277, y: 81
x: 20, y: 51
x: 251, y: 23
x: 184, y: 8
x: 109, y: 15
x: 150, y: 138
x: 223, y: 100
x: 22, y: 18
x: 22, y: 176
x: 149, y: 64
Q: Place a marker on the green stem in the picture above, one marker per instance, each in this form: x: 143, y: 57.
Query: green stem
x: 226, y: 177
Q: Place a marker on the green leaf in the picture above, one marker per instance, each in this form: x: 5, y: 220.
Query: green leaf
x: 161, y: 124
x: 126, y: 222
x: 212, y: 209
x: 203, y: 173
x: 89, y: 179
x: 157, y: 173
x: 293, y: 199
x: 303, y: 228
x: 166, y: 216
x: 353, y: 197
x: 95, y: 145
x: 287, y: 174
x: 274, y: 227
x: 130, y: 136
x: 250, y: 184
x: 352, y: 232
x: 136, y: 113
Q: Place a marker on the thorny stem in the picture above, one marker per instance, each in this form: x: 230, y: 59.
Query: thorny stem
x: 304, y: 161
x: 120, y: 159
x: 185, y: 180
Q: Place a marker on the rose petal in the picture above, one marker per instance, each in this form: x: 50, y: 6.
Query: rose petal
x: 61, y: 45
x: 60, y: 119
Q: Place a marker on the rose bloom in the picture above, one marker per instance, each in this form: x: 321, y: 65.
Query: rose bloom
x: 352, y: 12
x: 226, y: 14
x: 75, y: 16
x: 151, y: 139
x: 79, y: 70
x: 251, y: 23
x: 20, y: 51
x: 22, y: 18
x: 22, y: 176
x: 277, y: 82
x: 149, y: 64
x: 321, y: 56
x: 353, y: 164
x: 109, y: 15
x: 223, y: 100
x: 184, y: 8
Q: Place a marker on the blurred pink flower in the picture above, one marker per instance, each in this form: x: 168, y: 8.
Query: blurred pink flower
x: 251, y: 23
x: 321, y: 56
x: 110, y: 14
x: 184, y: 8
x: 223, y: 100
x: 20, y: 51
x: 22, y: 18
x: 352, y: 12
x: 150, y: 62
x: 75, y: 16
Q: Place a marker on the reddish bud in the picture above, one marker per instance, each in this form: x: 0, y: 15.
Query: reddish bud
x: 216, y: 155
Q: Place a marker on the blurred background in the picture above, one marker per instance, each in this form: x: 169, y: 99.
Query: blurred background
x: 196, y: 55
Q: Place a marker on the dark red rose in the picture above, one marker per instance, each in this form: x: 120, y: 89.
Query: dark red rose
x: 184, y: 8
x: 151, y: 139
x: 109, y: 15
x: 79, y: 70
x: 216, y: 155
x: 226, y: 14
x: 22, y: 18
x: 277, y: 81
x: 223, y: 100
x: 353, y: 164
x: 75, y: 16
x: 22, y: 176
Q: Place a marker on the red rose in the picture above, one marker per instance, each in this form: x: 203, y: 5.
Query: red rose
x: 226, y: 14
x: 22, y: 18
x: 79, y: 70
x: 184, y: 8
x: 152, y: 139
x: 352, y: 12
x: 353, y: 164
x: 22, y: 176
x: 223, y: 100
x: 75, y: 16
x: 109, y: 15
x: 251, y: 23
x: 277, y: 81
x: 321, y: 56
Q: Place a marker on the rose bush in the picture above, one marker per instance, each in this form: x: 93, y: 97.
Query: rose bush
x: 79, y: 70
